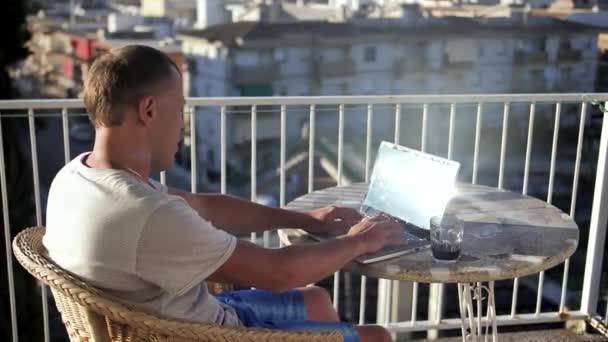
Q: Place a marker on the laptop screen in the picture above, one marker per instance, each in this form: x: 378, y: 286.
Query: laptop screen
x: 410, y: 185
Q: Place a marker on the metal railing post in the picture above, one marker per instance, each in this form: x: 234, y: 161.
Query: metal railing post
x: 597, y: 228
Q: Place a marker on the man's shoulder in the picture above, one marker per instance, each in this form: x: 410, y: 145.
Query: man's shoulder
x: 109, y: 194
x: 112, y: 182
x: 172, y: 206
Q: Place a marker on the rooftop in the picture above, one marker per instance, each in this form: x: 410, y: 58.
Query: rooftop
x: 165, y: 45
x: 229, y: 34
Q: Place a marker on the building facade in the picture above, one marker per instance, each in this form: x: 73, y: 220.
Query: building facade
x: 377, y: 57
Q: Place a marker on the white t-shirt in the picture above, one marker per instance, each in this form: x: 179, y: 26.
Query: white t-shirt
x: 136, y: 242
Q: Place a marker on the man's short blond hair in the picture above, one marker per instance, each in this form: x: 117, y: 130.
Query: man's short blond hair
x: 119, y: 78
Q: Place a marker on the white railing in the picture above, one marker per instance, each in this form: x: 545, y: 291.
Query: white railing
x: 313, y: 107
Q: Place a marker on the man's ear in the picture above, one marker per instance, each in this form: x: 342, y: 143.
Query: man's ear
x: 146, y: 109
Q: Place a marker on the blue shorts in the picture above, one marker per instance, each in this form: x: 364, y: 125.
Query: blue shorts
x: 285, y: 311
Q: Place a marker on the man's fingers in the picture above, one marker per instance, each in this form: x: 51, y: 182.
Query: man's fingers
x: 391, y: 224
x: 378, y: 218
x: 346, y: 214
x: 350, y: 222
x: 350, y: 214
x: 341, y: 226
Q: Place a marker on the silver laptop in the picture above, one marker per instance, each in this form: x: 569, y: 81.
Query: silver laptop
x: 410, y: 187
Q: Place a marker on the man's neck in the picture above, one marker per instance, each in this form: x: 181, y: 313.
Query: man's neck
x: 114, y: 154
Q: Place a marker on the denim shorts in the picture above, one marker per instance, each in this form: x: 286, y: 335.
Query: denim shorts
x: 285, y: 311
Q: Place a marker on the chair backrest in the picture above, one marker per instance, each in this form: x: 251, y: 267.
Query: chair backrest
x: 82, y: 323
x: 90, y: 316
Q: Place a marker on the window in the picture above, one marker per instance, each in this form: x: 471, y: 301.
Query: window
x: 208, y: 89
x: 537, y: 75
x: 481, y: 51
x: 266, y: 56
x: 370, y: 54
x: 280, y: 55
x: 501, y: 49
x: 586, y: 70
x: 538, y: 44
x: 521, y: 45
x: 344, y: 88
x: 477, y: 78
x: 368, y: 86
x: 567, y: 73
x: 210, y: 128
x: 247, y: 58
x: 282, y: 90
x: 192, y: 65
x: 210, y: 156
x: 420, y: 48
x: 501, y: 76
x: 419, y: 85
x: 458, y: 76
x: 345, y: 50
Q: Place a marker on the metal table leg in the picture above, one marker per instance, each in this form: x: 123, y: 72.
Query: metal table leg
x: 472, y: 327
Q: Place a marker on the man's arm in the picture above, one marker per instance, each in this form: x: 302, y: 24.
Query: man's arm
x: 238, y: 216
x: 284, y: 268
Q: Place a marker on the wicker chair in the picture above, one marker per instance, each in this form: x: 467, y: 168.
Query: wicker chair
x: 89, y: 315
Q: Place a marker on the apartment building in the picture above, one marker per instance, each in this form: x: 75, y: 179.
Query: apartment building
x: 378, y: 57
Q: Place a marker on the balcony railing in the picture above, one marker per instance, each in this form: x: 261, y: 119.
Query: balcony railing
x: 267, y: 73
x: 415, y: 63
x: 569, y: 56
x: 491, y: 116
x: 340, y: 68
x: 461, y: 64
x: 524, y: 57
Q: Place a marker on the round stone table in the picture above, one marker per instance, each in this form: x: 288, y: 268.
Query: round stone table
x: 506, y: 235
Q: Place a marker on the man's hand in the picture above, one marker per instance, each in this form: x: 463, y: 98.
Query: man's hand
x: 332, y: 219
x: 377, y: 232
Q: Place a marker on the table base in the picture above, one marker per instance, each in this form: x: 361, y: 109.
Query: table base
x: 472, y: 325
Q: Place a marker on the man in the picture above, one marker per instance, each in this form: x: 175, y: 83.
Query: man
x: 154, y: 247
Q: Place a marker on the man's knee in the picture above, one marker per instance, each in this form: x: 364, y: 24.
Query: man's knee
x: 320, y: 294
x: 318, y: 304
x: 373, y: 333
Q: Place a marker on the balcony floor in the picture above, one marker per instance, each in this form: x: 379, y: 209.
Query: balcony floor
x: 553, y: 335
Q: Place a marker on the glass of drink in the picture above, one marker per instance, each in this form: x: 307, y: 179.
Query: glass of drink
x: 446, y: 237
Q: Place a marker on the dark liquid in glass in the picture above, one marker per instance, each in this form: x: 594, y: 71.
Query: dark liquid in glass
x: 444, y: 251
